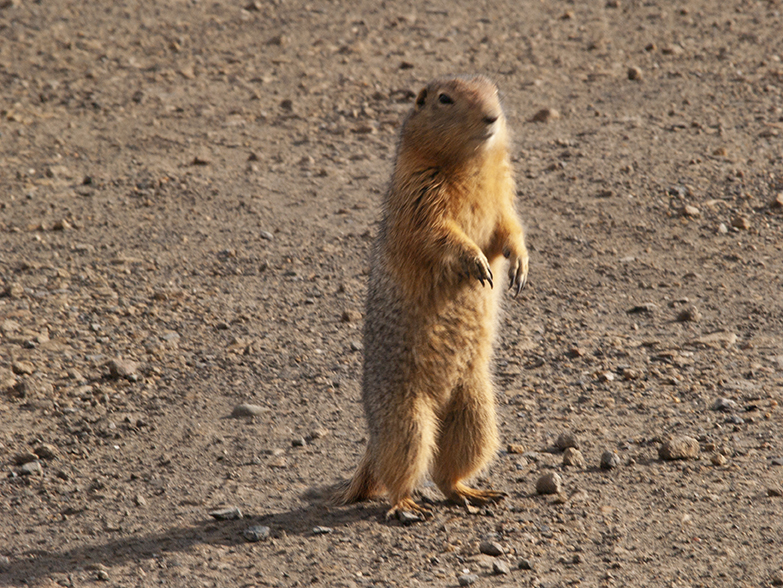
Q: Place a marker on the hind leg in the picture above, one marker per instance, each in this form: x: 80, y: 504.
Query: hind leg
x: 468, y: 440
x: 406, y: 443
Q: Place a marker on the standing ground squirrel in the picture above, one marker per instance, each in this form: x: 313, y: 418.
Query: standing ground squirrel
x: 448, y: 226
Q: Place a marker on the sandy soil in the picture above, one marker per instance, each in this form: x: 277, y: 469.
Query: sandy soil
x: 189, y: 189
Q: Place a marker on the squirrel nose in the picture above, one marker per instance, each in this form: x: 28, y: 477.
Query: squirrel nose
x: 490, y: 119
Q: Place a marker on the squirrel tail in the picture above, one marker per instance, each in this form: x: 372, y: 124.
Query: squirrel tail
x: 361, y: 486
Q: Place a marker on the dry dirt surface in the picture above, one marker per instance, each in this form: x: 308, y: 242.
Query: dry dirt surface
x: 188, y: 194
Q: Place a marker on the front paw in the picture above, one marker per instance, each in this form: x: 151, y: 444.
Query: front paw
x: 517, y: 271
x: 476, y: 265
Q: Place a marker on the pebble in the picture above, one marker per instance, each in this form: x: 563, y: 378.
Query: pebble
x: 139, y: 500
x: 690, y: 211
x: 740, y: 222
x: 735, y: 420
x: 123, y: 369
x: 609, y: 460
x: 515, y: 448
x: 689, y: 314
x: 718, y: 459
x: 24, y: 457
x: 723, y: 229
x: 5, y: 563
x: 226, y: 514
x: 679, y: 448
x: 492, y: 548
x: 319, y: 433
x: 545, y: 115
x: 356, y: 346
x: 22, y: 368
x: 777, y: 202
x: 467, y: 579
x: 572, y: 457
x: 646, y: 308
x: 724, y: 405
x: 635, y: 74
x: 566, y: 440
x: 46, y: 451
x: 322, y: 530
x: 248, y: 410
x: 256, y: 533
x: 550, y: 483
x: 500, y: 568
x: 777, y: 578
x: 777, y: 461
x: 524, y: 564
x: 775, y: 491
x: 32, y: 468
x: 266, y: 235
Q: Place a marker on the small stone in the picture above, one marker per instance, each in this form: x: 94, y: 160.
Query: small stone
x: 776, y: 461
x: 735, y: 420
x: 356, y: 346
x: 777, y: 202
x: 690, y: 211
x: 407, y: 518
x: 248, y: 410
x: 515, y: 448
x: 718, y: 459
x: 566, y: 440
x: 646, y: 308
x: 723, y: 229
x: 322, y: 530
x: 631, y: 374
x: 32, y: 468
x: 572, y: 457
x: 61, y: 225
x: 777, y: 578
x: 689, y: 314
x: 492, y: 548
x: 319, y: 433
x: 5, y: 563
x: 230, y: 513
x: 524, y: 564
x: 46, y: 451
x: 266, y: 235
x: 467, y: 579
x: 545, y: 115
x: 15, y: 290
x: 123, y: 369
x: 22, y: 368
x: 550, y: 483
x: 740, y: 222
x: 775, y: 491
x: 102, y: 575
x: 609, y: 460
x: 724, y: 405
x: 635, y: 74
x: 606, y: 377
x: 500, y: 568
x: 24, y: 457
x: 139, y: 500
x: 679, y: 448
x: 256, y: 533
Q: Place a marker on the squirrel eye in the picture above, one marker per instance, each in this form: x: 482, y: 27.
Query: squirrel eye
x: 445, y: 99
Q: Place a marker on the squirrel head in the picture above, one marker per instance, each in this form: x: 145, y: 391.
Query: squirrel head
x: 453, y: 119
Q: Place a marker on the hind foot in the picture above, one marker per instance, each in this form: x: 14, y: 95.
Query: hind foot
x: 407, y: 511
x: 471, y: 497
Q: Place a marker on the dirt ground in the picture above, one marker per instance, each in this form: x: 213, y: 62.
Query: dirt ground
x: 190, y: 189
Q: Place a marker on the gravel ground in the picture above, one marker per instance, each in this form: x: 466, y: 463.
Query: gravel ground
x: 188, y: 194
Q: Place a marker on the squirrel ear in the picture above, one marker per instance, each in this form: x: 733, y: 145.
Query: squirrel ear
x: 421, y: 98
